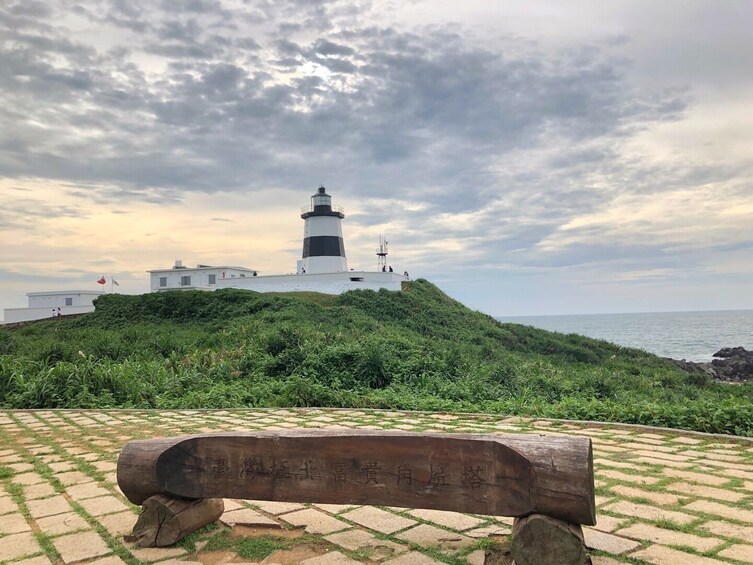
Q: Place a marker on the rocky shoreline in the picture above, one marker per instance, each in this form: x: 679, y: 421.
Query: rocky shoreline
x: 730, y: 364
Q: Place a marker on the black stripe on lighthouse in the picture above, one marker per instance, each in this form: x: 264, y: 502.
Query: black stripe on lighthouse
x: 323, y: 246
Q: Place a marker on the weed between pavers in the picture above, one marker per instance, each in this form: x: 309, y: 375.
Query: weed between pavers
x: 259, y: 547
x: 16, y: 493
x: 189, y: 542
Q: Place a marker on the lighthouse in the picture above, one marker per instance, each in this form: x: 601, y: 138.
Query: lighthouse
x: 323, y: 247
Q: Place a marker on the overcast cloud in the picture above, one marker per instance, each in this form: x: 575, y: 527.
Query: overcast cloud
x: 528, y: 157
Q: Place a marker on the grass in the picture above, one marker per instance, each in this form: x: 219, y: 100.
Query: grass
x: 259, y: 547
x: 413, y: 350
x: 256, y: 548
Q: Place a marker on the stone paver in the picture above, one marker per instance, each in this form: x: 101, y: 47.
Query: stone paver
x: 38, y: 560
x: 495, y: 530
x: 28, y: 479
x: 276, y: 507
x: 48, y: 506
x: 636, y: 479
x: 314, y: 521
x: 731, y: 512
x: 739, y: 552
x: 38, y: 491
x: 431, y: 536
x: 649, y: 512
x: 379, y: 520
x: 696, y: 477
x: 608, y: 523
x: 453, y: 520
x: 335, y: 508
x: 60, y: 467
x: 689, y: 489
x: 102, y: 505
x: 119, y: 524
x: 156, y: 553
x: 608, y: 542
x: 7, y: 505
x: 726, y: 529
x: 62, y: 524
x: 18, y: 545
x: 231, y: 504
x: 13, y: 524
x: 73, y: 478
x: 87, y: 490
x: 711, y: 479
x: 77, y: 547
x: 661, y: 498
x: 669, y: 537
x: 333, y: 558
x: 247, y: 517
x: 364, y: 542
x: 660, y: 555
x: 412, y: 558
x: 687, y: 440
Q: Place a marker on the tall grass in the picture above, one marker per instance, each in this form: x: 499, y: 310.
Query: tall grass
x: 417, y: 349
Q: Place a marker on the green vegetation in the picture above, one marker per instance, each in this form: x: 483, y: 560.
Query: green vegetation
x: 414, y: 350
x: 256, y: 548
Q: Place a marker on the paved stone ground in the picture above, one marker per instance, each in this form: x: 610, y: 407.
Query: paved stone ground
x: 663, y: 498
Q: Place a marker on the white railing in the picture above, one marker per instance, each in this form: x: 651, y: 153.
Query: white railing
x: 310, y: 208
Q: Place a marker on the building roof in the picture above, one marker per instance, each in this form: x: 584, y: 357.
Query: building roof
x: 59, y: 292
x: 201, y: 268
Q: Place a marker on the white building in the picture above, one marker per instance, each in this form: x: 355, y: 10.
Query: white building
x: 326, y: 283
x: 323, y: 266
x: 52, y: 304
x: 201, y: 277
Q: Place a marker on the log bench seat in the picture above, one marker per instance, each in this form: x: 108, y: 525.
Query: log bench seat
x: 545, y: 482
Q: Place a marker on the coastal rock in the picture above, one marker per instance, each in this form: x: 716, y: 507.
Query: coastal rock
x: 732, y: 364
x: 694, y: 367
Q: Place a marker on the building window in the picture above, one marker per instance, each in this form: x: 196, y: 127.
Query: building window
x: 163, y: 281
x: 212, y: 279
x: 185, y: 280
x: 69, y: 301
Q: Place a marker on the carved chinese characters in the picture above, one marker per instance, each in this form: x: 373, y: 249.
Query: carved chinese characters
x: 259, y: 468
x: 510, y: 475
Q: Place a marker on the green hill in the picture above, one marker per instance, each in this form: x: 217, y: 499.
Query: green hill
x: 416, y: 350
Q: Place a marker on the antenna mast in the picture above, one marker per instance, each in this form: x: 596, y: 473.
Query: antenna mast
x: 382, y: 254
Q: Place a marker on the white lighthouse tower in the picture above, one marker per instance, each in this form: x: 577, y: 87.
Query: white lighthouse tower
x: 323, y: 247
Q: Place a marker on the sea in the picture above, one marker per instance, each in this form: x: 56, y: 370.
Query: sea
x: 694, y: 336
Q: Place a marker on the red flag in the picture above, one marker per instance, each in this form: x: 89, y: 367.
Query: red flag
x: 102, y: 281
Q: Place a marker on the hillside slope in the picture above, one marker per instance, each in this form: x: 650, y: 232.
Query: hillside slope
x: 417, y: 349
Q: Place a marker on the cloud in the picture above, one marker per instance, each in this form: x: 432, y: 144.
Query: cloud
x: 488, y: 152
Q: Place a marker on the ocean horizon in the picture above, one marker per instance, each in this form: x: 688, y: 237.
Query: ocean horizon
x: 692, y: 335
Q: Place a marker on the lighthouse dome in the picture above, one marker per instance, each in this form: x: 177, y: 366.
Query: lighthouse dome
x: 321, y: 205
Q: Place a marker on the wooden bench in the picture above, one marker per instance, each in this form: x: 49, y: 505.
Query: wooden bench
x: 545, y: 482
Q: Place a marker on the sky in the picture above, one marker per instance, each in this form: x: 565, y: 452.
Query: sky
x: 528, y: 157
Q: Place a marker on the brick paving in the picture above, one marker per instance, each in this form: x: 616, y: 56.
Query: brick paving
x: 662, y: 497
